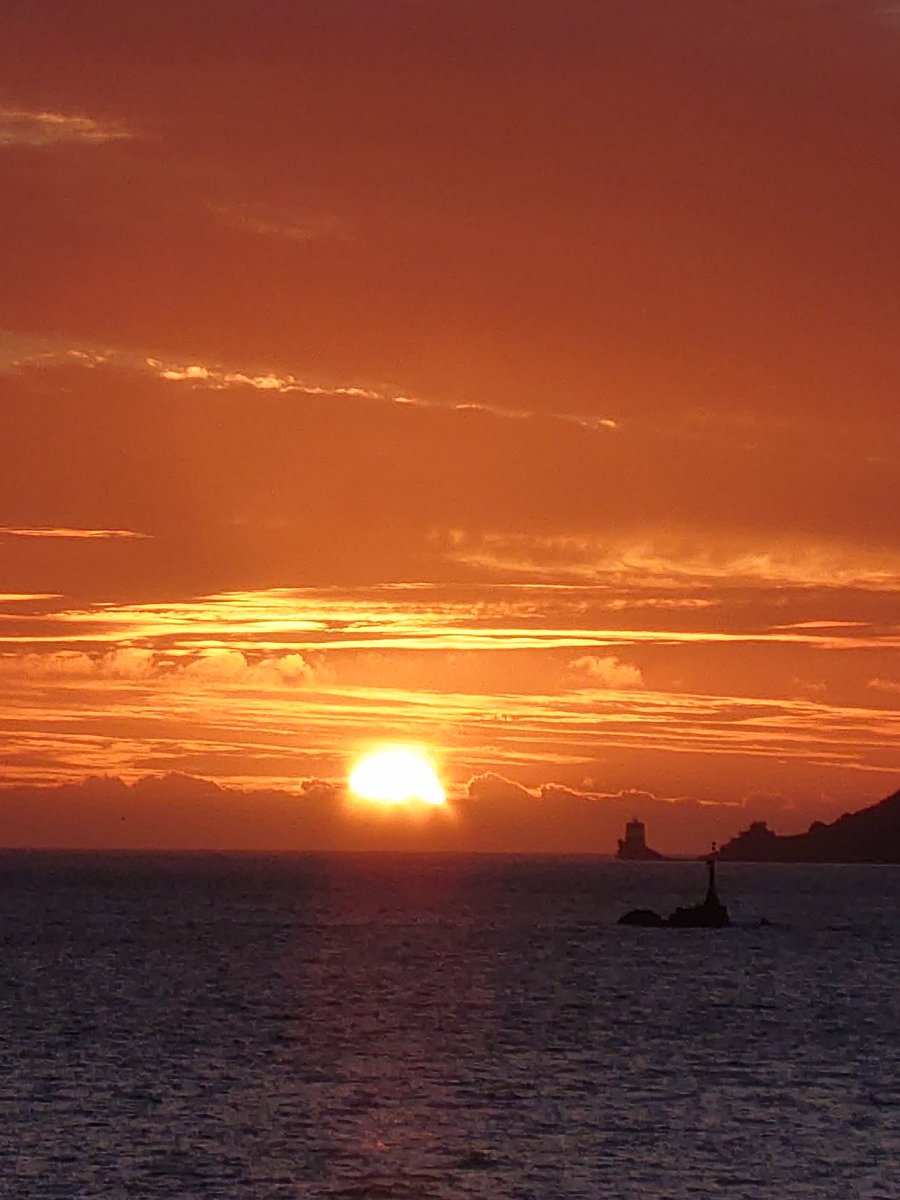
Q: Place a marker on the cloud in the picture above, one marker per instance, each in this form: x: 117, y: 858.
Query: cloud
x: 213, y: 667
x: 225, y: 666
x: 50, y: 531
x: 123, y: 663
x: 174, y: 811
x: 491, y: 787
x: 594, y: 424
x: 24, y: 127
x: 556, y: 818
x: 608, y: 672
x: 885, y: 685
x: 23, y: 597
x: 180, y: 810
x: 322, y: 790
x: 655, y: 562
x: 629, y: 797
x: 268, y: 221
x: 218, y: 378
x: 769, y: 806
x: 387, y: 618
x: 24, y: 351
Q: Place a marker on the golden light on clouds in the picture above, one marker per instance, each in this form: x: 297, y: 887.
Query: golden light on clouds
x: 28, y: 127
x: 345, y: 427
x: 63, y: 532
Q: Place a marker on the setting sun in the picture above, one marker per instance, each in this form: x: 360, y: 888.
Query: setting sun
x: 396, y: 776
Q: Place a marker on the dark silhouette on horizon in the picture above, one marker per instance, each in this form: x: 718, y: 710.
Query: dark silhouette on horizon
x: 870, y: 835
x: 633, y: 847
x: 711, y: 914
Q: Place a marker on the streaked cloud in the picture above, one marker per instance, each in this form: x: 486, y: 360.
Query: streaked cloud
x: 22, y: 597
x: 28, y: 127
x: 410, y: 618
x: 61, y: 531
x: 219, y: 379
x: 23, y: 352
x: 341, y: 408
x: 260, y: 683
x: 270, y: 221
x: 660, y: 562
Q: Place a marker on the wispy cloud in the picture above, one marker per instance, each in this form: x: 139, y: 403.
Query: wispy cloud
x: 19, y: 352
x: 269, y: 221
x: 25, y: 597
x: 219, y: 378
x: 657, y: 562
x: 253, y: 681
x: 232, y: 721
x: 885, y: 685
x: 593, y: 424
x: 27, y: 127
x: 61, y: 531
x: 284, y: 619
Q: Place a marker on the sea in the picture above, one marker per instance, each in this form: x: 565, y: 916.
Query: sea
x: 378, y: 1027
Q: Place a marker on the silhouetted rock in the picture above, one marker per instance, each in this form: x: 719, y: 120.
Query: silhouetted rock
x: 711, y: 914
x: 700, y: 916
x: 870, y: 835
x: 642, y: 916
x: 633, y: 847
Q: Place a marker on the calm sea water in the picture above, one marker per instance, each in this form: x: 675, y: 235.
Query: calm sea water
x: 258, y: 1027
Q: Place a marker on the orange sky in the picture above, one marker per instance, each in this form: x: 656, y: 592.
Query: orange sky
x: 512, y: 378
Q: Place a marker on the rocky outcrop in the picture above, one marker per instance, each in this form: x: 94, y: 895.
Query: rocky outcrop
x: 711, y: 914
x: 645, y: 917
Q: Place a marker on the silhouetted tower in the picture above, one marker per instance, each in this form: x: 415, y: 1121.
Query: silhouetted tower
x: 635, y: 840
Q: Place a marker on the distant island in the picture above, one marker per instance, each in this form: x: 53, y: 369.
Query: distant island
x: 871, y: 835
x: 633, y: 847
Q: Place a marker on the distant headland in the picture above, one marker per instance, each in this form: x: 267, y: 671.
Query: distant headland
x: 871, y: 835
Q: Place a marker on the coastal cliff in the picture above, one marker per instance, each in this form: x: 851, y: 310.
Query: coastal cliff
x: 870, y: 835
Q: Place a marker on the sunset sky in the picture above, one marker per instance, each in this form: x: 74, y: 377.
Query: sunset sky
x: 516, y: 379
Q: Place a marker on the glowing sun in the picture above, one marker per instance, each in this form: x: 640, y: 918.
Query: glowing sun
x: 396, y: 776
